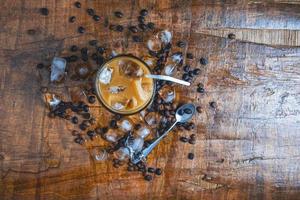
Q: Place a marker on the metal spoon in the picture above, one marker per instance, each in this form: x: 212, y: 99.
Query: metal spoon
x: 182, y: 115
x: 168, y: 78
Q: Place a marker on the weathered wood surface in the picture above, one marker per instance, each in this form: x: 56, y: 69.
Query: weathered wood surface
x: 248, y: 148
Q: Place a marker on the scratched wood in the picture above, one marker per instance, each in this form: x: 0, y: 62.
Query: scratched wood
x: 247, y: 148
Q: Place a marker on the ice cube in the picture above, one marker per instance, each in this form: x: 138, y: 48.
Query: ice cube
x: 125, y: 125
x: 157, y: 41
x: 136, y: 144
x: 118, y: 106
x: 122, y: 153
x: 167, y: 93
x: 169, y: 69
x: 154, y: 44
x: 111, y: 136
x: 177, y: 57
x: 151, y: 118
x: 98, y: 154
x: 52, y: 100
x: 130, y: 68
x: 116, y: 89
x: 150, y: 61
x: 58, y: 67
x: 165, y: 36
x: 105, y: 75
x: 140, y: 92
x: 143, y: 132
x: 172, y: 63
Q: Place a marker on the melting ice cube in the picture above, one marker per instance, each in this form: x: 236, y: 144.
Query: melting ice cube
x: 122, y: 153
x: 118, y: 106
x: 151, y: 118
x: 167, y: 93
x: 172, y: 63
x: 125, y: 125
x: 116, y: 89
x: 52, y: 100
x: 143, y: 132
x: 58, y: 67
x: 136, y: 144
x: 130, y: 68
x: 105, y: 75
x: 165, y: 36
x: 111, y: 136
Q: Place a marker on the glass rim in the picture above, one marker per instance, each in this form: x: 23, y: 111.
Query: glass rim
x: 98, y: 93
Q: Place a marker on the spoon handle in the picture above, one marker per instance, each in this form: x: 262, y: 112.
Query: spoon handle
x: 168, y: 78
x: 146, y: 151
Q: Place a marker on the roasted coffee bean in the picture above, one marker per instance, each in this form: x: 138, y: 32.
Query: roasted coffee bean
x: 86, y: 115
x: 191, y: 141
x: 141, y: 19
x: 181, y: 44
x: 180, y: 112
x: 148, y: 177
x: 199, y: 109
x: 77, y: 4
x: 91, y: 133
x: 186, y: 68
x: 74, y: 120
x: 79, y: 140
x: 185, y: 76
x: 113, y: 27
x: 44, y: 89
x: 119, y: 14
x: 137, y: 126
x: 82, y: 127
x: 213, y: 104
x: 94, y: 56
x: 72, y: 19
x: 158, y: 171
x: 231, y: 36
x: 92, y: 99
x: 189, y: 56
x: 191, y: 156
x: 44, y: 11
x: 86, y: 123
x: 137, y: 38
x: 31, y: 32
x: 118, y: 117
x: 196, y: 71
x: 98, y: 130
x: 184, y: 139
x: 144, y: 12
x: 84, y: 51
x: 130, y: 168
x: 151, y: 170
x: 193, y: 136
x: 142, y: 26
x: 93, y: 42
x: 187, y: 111
x: 203, y: 61
x: 73, y: 58
x: 75, y: 133
x: 191, y: 74
x: 200, y: 90
x: 100, y: 60
x: 74, y: 48
x: 100, y: 50
x: 81, y: 29
x: 133, y: 29
x: 96, y: 18
x: 113, y: 124
x: 67, y: 117
x: 51, y: 114
x: 151, y: 25
x: 119, y: 28
x: 191, y: 125
x: 115, y: 165
x: 40, y: 66
x: 90, y: 11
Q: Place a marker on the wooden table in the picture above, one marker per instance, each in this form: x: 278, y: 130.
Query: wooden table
x: 247, y: 148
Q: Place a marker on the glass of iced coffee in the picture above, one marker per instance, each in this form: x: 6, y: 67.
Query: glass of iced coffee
x: 122, y: 87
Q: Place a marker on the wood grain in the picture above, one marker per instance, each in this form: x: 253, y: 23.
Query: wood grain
x: 247, y: 148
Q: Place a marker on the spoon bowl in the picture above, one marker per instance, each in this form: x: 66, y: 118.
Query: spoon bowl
x: 185, y: 113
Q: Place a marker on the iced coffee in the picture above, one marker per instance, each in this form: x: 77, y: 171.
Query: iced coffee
x: 122, y: 86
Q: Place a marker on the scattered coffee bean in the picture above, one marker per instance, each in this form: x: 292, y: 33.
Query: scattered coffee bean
x: 115, y: 165
x: 73, y: 48
x: 82, y: 127
x: 90, y: 11
x: 86, y: 115
x: 92, y: 121
x: 189, y: 56
x: 186, y: 68
x: 191, y: 156
x: 113, y: 124
x: 96, y: 18
x: 86, y: 123
x: 144, y: 12
x: 133, y: 29
x: 112, y: 27
x: 151, y: 25
x: 191, y: 141
x: 137, y: 126
x: 158, y: 171
x: 77, y: 4
x: 184, y: 139
x: 31, y: 32
x: 200, y: 90
x: 191, y: 74
x: 40, y: 66
x: 185, y: 76
x: 119, y: 28
x: 143, y: 27
x: 92, y: 99
x: 213, y: 104
x: 193, y: 136
x: 118, y: 14
x: 75, y: 133
x: 93, y: 42
x: 196, y: 71
x: 73, y: 58
x: 81, y: 29
x: 44, y: 89
x: 72, y: 19
x: 181, y: 44
x: 74, y: 120
x: 203, y: 61
x: 188, y: 111
x: 199, y: 109
x: 231, y: 36
x: 44, y: 11
x: 151, y: 170
x: 130, y: 168
x: 79, y: 140
x: 118, y: 117
x: 137, y: 38
x: 91, y: 133
x: 148, y: 177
